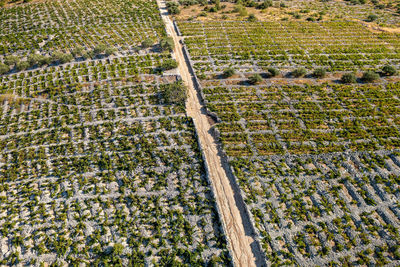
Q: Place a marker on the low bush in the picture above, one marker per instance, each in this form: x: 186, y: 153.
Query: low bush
x: 348, y: 78
x: 173, y: 93
x: 22, y: 65
x: 370, y: 76
x: 4, y: 68
x: 255, y: 79
x: 389, y: 70
x: 299, y: 72
x: 167, y: 44
x: 273, y: 72
x: 319, y: 73
x: 229, y: 72
x: 169, y: 64
x: 147, y: 43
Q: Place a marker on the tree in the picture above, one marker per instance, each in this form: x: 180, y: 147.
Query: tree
x: 99, y: 49
x: 372, y: 17
x: 61, y: 57
x: 389, y: 70
x: 77, y: 51
x: 11, y: 60
x: 319, y: 73
x: 348, y: 78
x: 241, y: 10
x: 255, y: 78
x: 4, y: 68
x: 228, y: 72
x: 370, y: 76
x: 173, y: 93
x: 109, y: 51
x: 22, y: 65
x: 169, y: 64
x: 33, y: 59
x: 65, y: 58
x: 252, y: 18
x: 44, y: 60
x: 173, y: 8
x: 265, y: 4
x: 167, y: 44
x: 299, y: 72
x: 147, y: 43
x: 273, y: 72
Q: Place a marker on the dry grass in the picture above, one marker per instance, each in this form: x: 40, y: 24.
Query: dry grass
x: 274, y: 13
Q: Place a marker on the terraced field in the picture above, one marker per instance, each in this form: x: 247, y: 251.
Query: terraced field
x: 96, y: 167
x: 230, y: 138
x: 252, y: 47
x: 316, y: 160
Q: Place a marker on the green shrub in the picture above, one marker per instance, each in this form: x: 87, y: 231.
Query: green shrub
x: 169, y: 64
x: 319, y: 73
x: 99, y: 49
x: 33, y: 59
x: 77, y: 51
x: 11, y: 60
x: 299, y: 72
x: 348, y: 78
x: 147, y: 43
x: 22, y: 65
x: 44, y: 60
x: 370, y: 76
x: 167, y: 44
x: 241, y: 10
x: 389, y: 70
x: 265, y: 4
x: 173, y: 8
x: 173, y: 93
x: 372, y: 17
x: 273, y: 72
x: 229, y: 72
x: 252, y: 18
x: 4, y: 68
x: 255, y: 78
x: 61, y: 57
x: 109, y: 51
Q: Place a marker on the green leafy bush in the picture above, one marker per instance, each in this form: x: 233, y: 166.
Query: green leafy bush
x: 348, y: 78
x: 370, y: 76
x: 167, y: 44
x: 173, y: 8
x: 389, y: 70
x: 255, y: 78
x: 299, y: 72
x: 169, y: 64
x: 11, y: 60
x: 252, y: 18
x: 229, y: 72
x: 372, y: 17
x: 174, y: 93
x: 22, y: 65
x: 273, y: 72
x: 147, y: 43
x: 319, y: 73
x: 4, y: 68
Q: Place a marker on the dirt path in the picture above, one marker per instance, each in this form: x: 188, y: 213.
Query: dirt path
x: 239, y: 242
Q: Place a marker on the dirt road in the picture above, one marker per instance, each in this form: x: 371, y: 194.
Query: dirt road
x: 239, y: 242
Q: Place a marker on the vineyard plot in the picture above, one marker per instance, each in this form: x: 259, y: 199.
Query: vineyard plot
x: 95, y: 167
x: 252, y: 47
x: 317, y: 164
x: 104, y: 173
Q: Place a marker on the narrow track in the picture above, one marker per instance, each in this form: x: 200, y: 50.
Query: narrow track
x: 240, y: 243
